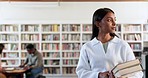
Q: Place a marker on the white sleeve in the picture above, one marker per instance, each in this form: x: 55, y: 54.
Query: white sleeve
x: 83, y: 69
x: 136, y: 75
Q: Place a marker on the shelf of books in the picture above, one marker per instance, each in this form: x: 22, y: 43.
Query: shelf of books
x: 145, y: 35
x: 50, y: 42
x: 70, y: 47
x: 60, y: 43
x: 132, y: 33
x: 9, y: 35
x: 145, y: 49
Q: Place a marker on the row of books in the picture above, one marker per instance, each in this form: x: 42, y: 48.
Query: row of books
x: 87, y: 27
x: 51, y: 54
x: 10, y: 55
x: 30, y: 28
x: 135, y: 46
x: 9, y: 37
x: 45, y: 37
x: 8, y: 28
x: 15, y: 46
x: 50, y: 37
x: 50, y: 27
x: 52, y: 62
x: 29, y: 37
x: 57, y: 62
x: 71, y: 46
x: 71, y: 27
x: 45, y: 54
x: 69, y: 70
x: 11, y: 46
x: 56, y: 70
x: 132, y: 27
x: 86, y: 37
x: 70, y: 54
x: 66, y: 27
x: 70, y: 61
x: 133, y: 37
x: 50, y: 46
x: 71, y: 37
x: 45, y: 46
x: 46, y: 27
x: 51, y: 70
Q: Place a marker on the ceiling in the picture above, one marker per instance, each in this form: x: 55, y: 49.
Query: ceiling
x: 69, y: 0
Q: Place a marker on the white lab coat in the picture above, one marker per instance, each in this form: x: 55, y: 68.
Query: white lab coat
x: 93, y: 58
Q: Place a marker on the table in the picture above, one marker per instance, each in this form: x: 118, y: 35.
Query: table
x: 14, y: 72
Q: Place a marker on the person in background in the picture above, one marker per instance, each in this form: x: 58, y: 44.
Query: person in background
x: 1, y: 69
x: 1, y: 50
x: 33, y: 63
x: 105, y: 50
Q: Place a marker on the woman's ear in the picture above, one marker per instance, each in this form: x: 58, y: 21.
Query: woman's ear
x: 97, y: 23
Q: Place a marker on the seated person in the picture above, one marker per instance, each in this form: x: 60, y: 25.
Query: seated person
x: 33, y: 62
x: 1, y: 50
x: 1, y: 69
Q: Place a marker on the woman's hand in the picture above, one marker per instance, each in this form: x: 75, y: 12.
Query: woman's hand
x: 104, y: 74
x: 111, y: 75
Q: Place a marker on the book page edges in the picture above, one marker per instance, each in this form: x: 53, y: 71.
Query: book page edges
x: 125, y: 65
x: 128, y: 71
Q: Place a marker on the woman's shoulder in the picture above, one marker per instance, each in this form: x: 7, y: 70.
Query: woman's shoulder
x: 120, y: 41
x: 91, y: 42
x: 86, y: 44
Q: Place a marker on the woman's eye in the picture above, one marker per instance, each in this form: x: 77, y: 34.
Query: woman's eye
x: 109, y: 20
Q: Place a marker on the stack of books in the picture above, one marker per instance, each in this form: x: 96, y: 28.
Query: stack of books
x: 127, y: 68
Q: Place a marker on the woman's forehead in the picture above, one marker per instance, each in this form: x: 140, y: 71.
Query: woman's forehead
x: 110, y: 15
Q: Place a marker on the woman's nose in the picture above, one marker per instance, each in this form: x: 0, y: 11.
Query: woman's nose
x: 113, y: 23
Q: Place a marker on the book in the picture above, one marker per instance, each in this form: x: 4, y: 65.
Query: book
x: 9, y: 69
x: 125, y: 68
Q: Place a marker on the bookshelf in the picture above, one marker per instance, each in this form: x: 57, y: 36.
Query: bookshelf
x: 145, y: 35
x: 133, y: 34
x: 60, y: 43
x: 10, y: 37
x: 135, y: 37
x: 50, y: 42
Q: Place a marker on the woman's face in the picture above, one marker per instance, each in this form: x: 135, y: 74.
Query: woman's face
x: 107, y: 24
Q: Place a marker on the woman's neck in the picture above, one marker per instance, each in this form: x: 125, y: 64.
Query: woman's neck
x: 104, y: 37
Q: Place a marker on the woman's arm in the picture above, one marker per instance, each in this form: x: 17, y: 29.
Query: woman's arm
x: 83, y: 69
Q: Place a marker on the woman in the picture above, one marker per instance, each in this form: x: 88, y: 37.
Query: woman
x: 1, y: 69
x: 105, y: 50
x: 1, y: 50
